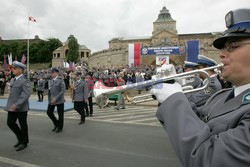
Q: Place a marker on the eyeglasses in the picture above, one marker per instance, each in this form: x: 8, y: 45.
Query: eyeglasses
x: 234, y: 45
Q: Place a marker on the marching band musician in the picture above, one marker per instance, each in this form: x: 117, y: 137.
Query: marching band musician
x: 80, y: 96
x: 221, y: 135
x: 199, y: 98
x: 195, y: 81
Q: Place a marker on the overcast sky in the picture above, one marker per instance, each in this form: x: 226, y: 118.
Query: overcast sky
x: 95, y: 22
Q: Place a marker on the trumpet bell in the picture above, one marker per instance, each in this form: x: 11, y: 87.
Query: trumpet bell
x: 102, y: 92
x: 99, y: 94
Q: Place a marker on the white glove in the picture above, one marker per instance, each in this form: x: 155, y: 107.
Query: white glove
x: 168, y: 69
x: 164, y: 90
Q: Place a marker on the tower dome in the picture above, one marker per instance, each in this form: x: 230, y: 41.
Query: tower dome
x: 164, y: 22
x: 164, y: 15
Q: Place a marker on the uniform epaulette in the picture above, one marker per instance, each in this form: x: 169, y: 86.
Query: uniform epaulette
x: 217, y: 93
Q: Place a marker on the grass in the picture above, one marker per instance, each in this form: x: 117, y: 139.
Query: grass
x: 39, y: 66
x: 36, y: 66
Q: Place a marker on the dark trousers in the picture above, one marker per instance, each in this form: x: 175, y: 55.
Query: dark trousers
x: 22, y: 131
x: 2, y: 87
x: 89, y: 107
x: 79, y: 107
x: 60, y: 110
x: 35, y: 85
x: 40, y: 95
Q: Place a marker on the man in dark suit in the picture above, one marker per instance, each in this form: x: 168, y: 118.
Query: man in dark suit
x: 220, y: 135
x: 80, y: 96
x: 18, y: 105
x: 56, y: 98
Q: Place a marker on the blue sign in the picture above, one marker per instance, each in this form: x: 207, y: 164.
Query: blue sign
x: 163, y: 50
x: 192, y: 50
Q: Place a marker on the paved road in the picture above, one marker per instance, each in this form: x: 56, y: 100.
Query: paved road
x: 105, y: 140
x: 131, y: 115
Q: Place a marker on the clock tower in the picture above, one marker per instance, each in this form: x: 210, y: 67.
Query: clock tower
x: 164, y: 22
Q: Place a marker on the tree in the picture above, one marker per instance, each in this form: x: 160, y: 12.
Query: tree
x: 40, y: 51
x: 51, y: 45
x: 73, y: 54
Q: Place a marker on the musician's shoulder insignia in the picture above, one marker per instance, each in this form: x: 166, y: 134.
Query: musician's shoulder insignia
x: 208, y: 90
x: 246, y: 97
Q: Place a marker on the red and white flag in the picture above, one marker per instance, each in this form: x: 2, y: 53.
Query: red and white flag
x: 32, y: 19
x: 10, y: 60
x: 134, y: 54
x: 23, y: 59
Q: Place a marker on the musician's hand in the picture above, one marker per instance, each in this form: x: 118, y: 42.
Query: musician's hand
x: 164, y: 90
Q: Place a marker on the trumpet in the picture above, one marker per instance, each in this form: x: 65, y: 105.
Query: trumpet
x: 102, y: 93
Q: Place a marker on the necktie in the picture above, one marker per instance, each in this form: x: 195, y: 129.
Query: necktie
x: 230, y: 96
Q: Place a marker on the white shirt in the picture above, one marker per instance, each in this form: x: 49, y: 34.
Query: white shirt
x: 54, y: 79
x: 240, y: 89
x: 18, y: 77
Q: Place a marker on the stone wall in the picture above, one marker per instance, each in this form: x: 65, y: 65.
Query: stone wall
x: 107, y: 58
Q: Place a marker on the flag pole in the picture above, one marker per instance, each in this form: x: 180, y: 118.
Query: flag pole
x: 28, y: 50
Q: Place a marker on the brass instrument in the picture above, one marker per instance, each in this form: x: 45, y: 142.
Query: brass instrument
x: 101, y: 92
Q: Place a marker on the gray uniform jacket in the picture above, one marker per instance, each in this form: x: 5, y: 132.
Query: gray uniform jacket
x: 20, y: 91
x: 200, y: 98
x: 194, y: 82
x: 56, y: 90
x: 221, y: 139
x: 80, y: 92
x: 40, y: 85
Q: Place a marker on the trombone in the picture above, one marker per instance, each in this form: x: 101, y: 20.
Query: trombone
x: 101, y: 92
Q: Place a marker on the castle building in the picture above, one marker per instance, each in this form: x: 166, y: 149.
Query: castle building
x: 60, y: 54
x: 164, y: 34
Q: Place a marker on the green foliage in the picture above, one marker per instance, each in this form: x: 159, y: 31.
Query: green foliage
x: 4, y: 50
x: 40, y: 51
x: 72, y: 55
